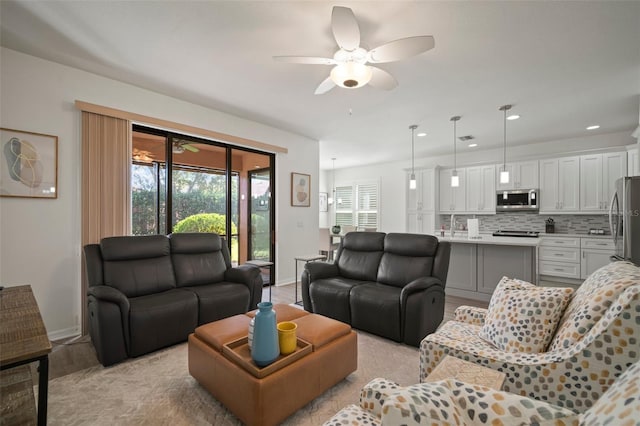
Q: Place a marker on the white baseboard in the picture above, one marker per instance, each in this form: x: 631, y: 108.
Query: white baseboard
x: 64, y: 333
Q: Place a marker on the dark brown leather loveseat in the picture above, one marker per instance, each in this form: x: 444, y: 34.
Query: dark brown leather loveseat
x: 391, y: 285
x: 148, y: 292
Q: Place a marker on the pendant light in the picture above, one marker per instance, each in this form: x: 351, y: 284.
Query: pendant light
x: 504, y: 174
x: 412, y: 180
x: 455, y: 179
x: 333, y: 181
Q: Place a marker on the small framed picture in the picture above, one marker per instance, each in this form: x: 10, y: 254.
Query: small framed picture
x: 300, y: 190
x: 323, y: 202
x: 29, y: 164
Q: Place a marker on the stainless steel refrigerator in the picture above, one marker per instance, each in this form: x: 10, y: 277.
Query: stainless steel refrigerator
x: 624, y: 219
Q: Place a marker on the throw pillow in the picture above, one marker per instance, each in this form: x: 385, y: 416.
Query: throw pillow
x: 523, y: 317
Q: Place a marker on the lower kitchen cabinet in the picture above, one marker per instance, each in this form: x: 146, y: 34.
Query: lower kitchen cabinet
x: 573, y: 257
x: 476, y: 269
x: 595, y: 254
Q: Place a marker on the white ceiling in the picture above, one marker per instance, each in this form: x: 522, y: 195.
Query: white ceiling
x: 564, y: 65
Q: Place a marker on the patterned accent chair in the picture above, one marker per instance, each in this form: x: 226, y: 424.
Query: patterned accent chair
x: 595, y: 341
x: 450, y: 402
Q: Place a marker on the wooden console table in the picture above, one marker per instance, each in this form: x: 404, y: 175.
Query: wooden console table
x: 23, y: 338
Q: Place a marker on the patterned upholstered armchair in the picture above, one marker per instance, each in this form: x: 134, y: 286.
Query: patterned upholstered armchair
x: 597, y: 338
x: 456, y: 403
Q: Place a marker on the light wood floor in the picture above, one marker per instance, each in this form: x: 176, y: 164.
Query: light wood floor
x: 77, y: 354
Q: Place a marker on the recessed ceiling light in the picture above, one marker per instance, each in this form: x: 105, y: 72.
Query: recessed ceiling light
x: 473, y: 145
x: 513, y: 117
x: 421, y: 134
x: 595, y: 126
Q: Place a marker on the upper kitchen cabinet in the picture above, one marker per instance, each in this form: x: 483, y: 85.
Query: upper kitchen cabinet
x: 598, y: 174
x: 522, y: 175
x: 633, y: 164
x: 421, y: 203
x: 452, y: 200
x: 560, y: 185
x: 480, y: 189
x: 423, y: 197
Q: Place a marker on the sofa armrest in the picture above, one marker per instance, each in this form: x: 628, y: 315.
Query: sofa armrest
x: 248, y: 275
x: 110, y: 338
x: 319, y: 270
x: 374, y: 394
x: 470, y: 315
x: 418, y: 285
x: 315, y: 271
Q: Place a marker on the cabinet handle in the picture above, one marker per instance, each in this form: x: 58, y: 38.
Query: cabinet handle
x: 558, y: 269
x: 559, y: 255
x: 584, y: 253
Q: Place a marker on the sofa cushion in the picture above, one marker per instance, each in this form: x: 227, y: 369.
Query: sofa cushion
x: 399, y: 270
x: 220, y: 300
x: 359, y: 255
x: 330, y: 297
x: 592, y: 299
x: 137, y: 265
x: 197, y: 258
x: 161, y: 319
x: 376, y: 308
x: 522, y: 317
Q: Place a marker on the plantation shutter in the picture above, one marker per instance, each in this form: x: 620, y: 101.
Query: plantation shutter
x: 344, y: 205
x: 367, y: 207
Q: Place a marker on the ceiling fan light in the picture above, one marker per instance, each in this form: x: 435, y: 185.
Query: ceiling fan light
x: 351, y: 75
x: 177, y: 149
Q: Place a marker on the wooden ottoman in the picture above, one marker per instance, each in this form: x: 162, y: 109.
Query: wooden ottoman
x: 273, y: 398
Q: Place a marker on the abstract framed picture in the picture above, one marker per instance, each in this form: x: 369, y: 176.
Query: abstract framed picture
x: 323, y: 202
x: 300, y: 190
x: 28, y: 164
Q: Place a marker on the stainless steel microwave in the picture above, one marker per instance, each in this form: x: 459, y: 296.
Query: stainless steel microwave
x: 517, y: 200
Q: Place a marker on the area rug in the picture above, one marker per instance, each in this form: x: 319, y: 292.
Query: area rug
x: 157, y: 389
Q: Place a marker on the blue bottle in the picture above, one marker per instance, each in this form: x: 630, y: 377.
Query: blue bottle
x: 265, y: 348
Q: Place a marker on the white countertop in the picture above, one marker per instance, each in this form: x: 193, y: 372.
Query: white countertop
x: 490, y: 239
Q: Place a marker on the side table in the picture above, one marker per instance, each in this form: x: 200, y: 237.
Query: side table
x: 306, y: 259
x: 455, y: 368
x: 23, y: 338
x: 262, y: 264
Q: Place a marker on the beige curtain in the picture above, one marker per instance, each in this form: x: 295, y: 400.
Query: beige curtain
x: 106, y: 199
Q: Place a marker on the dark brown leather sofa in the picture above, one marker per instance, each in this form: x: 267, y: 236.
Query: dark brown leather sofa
x: 148, y: 292
x: 391, y: 285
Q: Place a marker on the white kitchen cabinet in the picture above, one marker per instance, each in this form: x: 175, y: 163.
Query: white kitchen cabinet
x: 480, y: 189
x: 522, y: 175
x: 421, y: 222
x: 560, y: 185
x: 595, y: 253
x: 452, y: 200
x: 598, y: 173
x: 633, y: 164
x: 421, y: 203
x: 559, y: 257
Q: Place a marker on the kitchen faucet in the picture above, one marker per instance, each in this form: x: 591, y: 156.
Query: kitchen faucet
x: 453, y: 225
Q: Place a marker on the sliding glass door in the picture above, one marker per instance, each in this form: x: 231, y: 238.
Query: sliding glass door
x: 210, y: 186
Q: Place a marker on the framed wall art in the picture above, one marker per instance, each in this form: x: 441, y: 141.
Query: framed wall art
x: 28, y: 164
x: 323, y: 202
x: 300, y: 190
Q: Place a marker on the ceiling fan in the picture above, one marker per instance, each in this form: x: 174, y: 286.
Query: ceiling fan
x: 351, y: 70
x: 179, y: 145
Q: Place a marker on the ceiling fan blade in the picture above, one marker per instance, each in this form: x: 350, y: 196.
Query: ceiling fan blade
x: 401, y: 49
x: 381, y: 79
x: 190, y: 148
x: 325, y: 86
x: 345, y: 28
x: 309, y: 60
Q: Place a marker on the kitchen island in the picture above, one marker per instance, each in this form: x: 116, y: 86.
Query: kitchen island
x: 477, y: 265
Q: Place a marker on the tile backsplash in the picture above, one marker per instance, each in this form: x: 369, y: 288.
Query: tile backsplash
x: 564, y: 224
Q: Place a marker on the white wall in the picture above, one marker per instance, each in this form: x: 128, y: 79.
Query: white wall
x: 40, y: 239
